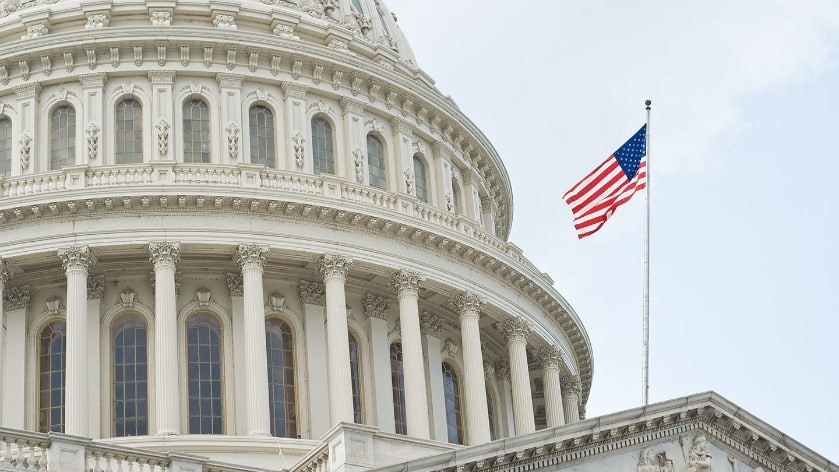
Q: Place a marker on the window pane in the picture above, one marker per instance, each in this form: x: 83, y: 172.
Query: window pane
x: 420, y: 182
x: 451, y: 393
x: 376, y: 162
x: 5, y: 147
x: 52, y: 353
x: 129, y: 376
x: 129, y: 132
x: 62, y: 137
x: 398, y: 380
x: 204, y: 375
x: 281, y: 399
x: 322, y: 151
x: 355, y: 373
x: 196, y: 131
x: 262, y: 136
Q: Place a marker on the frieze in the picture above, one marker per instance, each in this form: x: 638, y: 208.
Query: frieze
x: 95, y: 287
x: 162, y: 127
x: 312, y: 293
x: 375, y: 306
x: 17, y: 298
x: 92, y: 134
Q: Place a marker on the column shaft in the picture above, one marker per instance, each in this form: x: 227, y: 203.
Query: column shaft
x: 474, y: 386
x: 334, y: 271
x: 167, y: 401
x: 416, y: 396
x: 516, y: 331
x: 252, y: 259
x: 571, y: 398
x: 551, y: 359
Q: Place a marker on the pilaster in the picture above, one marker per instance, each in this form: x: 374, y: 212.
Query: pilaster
x: 431, y: 327
x: 16, y: 302
x: 313, y: 299
x: 95, y: 292
x: 93, y: 89
x: 375, y: 310
x: 231, y: 117
x: 296, y: 128
x: 162, y: 114
x: 356, y: 142
x: 4, y: 276
x: 404, y: 159
x: 26, y: 148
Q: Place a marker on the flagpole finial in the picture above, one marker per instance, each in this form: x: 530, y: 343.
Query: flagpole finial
x: 648, y: 103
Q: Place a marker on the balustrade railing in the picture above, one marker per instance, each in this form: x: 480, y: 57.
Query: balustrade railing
x: 23, y: 451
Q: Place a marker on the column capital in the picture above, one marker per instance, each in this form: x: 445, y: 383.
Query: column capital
x: 164, y: 253
x: 27, y: 91
x: 489, y: 370
x: 292, y: 90
x: 570, y: 384
x: 502, y: 370
x: 162, y: 76
x: 5, y: 271
x: 406, y: 282
x: 334, y: 266
x: 235, y: 284
x: 430, y: 324
x: 550, y: 357
x: 312, y: 293
x: 467, y: 303
x: 93, y: 80
x: 351, y: 105
x: 95, y: 287
x: 514, y: 329
x: 226, y: 79
x: 76, y: 258
x: 375, y: 307
x: 17, y: 298
x: 251, y: 256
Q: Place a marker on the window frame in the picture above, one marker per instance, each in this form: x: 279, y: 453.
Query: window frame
x: 112, y: 333
x: 370, y: 164
x: 39, y: 338
x: 330, y: 159
x: 273, y: 158
x: 223, y: 366
x: 400, y: 389
x: 417, y: 158
x: 295, y: 387
x: 7, y: 163
x: 139, y: 115
x: 183, y: 135
x: 457, y: 393
x: 72, y: 140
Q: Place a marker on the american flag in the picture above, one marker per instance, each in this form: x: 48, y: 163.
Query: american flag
x: 594, y: 199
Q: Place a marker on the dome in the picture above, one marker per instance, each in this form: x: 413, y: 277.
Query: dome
x: 232, y: 226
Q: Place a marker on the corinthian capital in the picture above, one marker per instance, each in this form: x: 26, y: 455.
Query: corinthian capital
x: 312, y: 293
x: 164, y: 253
x: 570, y: 385
x: 375, y: 307
x: 5, y: 272
x: 430, y: 324
x: 467, y: 303
x: 514, y: 329
x: 251, y: 256
x: 334, y: 266
x: 550, y: 357
x: 406, y: 282
x: 17, y: 298
x: 76, y: 258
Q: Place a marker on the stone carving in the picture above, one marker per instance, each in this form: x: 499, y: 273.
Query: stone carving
x: 550, y: 357
x: 570, y: 385
x: 357, y: 23
x: 337, y: 75
x: 161, y: 18
x: 449, y: 202
x: 276, y: 301
x: 699, y: 460
x: 138, y: 55
x: 162, y: 128
x: 77, y: 258
x: 312, y: 293
x: 233, y: 140
x: 334, y: 266
x: 358, y: 160
x: 4, y: 74
x: 467, y: 302
x: 24, y: 69
x: 25, y: 150
x: 285, y: 32
x: 650, y: 461
x: 127, y: 298
x: 235, y: 284
x: 406, y: 282
x: 450, y: 349
x: 275, y: 64
x: 54, y: 305
x: 375, y: 307
x: 409, y: 182
x: 95, y: 287
x: 35, y: 31
x: 5, y: 272
x: 314, y: 8
x: 251, y: 256
x: 203, y: 296
x: 208, y: 56
x: 226, y: 22
x: 17, y: 298
x: 298, y: 148
x: 164, y: 253
x: 514, y: 329
x: 339, y: 45
x: 489, y: 370
x: 430, y: 324
x: 92, y: 133
x: 502, y: 370
x: 97, y: 21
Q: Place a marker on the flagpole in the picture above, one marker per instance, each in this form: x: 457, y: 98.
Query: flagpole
x: 646, y: 342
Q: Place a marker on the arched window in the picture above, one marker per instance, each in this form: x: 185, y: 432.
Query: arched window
x: 376, y: 162
x: 196, y: 131
x: 322, y: 152
x: 382, y: 19
x: 203, y: 352
x: 129, y: 132
x: 5, y: 147
x: 62, y: 137
x: 397, y: 377
x: 451, y: 392
x: 356, y: 4
x: 355, y: 373
x: 130, y: 377
x: 261, y: 121
x: 419, y: 179
x: 281, y: 395
x: 455, y: 198
x: 51, y: 370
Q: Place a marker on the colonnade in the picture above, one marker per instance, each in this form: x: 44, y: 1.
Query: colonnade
x: 562, y: 393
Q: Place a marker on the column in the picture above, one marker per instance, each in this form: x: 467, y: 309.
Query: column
x: 515, y: 331
x: 550, y: 358
x: 77, y: 261
x: 93, y: 86
x: 295, y: 126
x: 431, y: 328
x: 162, y: 114
x: 252, y: 260
x: 334, y: 268
x: 15, y: 305
x: 313, y: 298
x: 416, y: 398
x: 165, y: 256
x: 231, y: 118
x: 571, y: 394
x: 376, y: 309
x: 468, y: 306
x: 4, y: 275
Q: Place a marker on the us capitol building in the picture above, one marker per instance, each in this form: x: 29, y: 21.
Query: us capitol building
x: 243, y: 235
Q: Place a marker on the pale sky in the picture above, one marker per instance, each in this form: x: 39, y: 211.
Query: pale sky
x: 745, y: 232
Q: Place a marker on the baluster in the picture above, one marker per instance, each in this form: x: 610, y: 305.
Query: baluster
x: 43, y: 459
